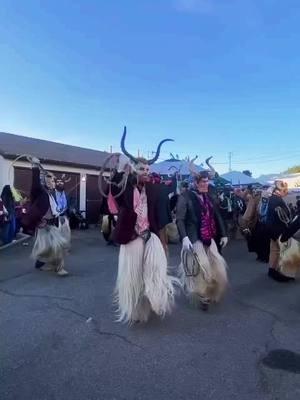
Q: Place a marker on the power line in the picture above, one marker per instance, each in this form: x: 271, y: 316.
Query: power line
x: 265, y: 160
x: 289, y: 154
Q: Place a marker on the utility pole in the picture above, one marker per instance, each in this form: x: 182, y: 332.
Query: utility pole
x: 230, y: 160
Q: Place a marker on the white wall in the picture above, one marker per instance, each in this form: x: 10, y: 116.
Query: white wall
x: 293, y: 181
x: 7, y: 175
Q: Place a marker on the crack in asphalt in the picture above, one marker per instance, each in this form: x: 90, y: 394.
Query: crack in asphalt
x: 263, y: 379
x: 97, y: 329
x: 257, y: 308
x: 43, y: 296
x: 271, y: 341
x: 16, y: 277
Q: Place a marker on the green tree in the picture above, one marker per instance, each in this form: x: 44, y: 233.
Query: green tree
x: 293, y: 170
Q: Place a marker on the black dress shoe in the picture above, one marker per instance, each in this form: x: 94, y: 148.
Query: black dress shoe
x: 278, y: 276
x: 204, y: 306
x: 39, y: 264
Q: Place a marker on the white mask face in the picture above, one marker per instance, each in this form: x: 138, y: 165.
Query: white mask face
x: 143, y: 171
x: 50, y: 182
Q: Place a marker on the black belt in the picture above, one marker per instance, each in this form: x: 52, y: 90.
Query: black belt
x: 145, y: 235
x: 52, y: 221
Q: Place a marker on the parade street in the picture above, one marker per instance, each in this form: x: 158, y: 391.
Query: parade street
x: 59, y: 339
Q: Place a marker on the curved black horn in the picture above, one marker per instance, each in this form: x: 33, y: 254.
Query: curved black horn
x: 130, y: 156
x: 209, y: 165
x: 155, y: 158
x: 192, y: 167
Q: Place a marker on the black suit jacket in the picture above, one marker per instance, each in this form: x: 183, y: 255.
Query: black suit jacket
x: 188, y: 217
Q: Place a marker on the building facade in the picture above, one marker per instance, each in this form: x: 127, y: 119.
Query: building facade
x: 82, y: 167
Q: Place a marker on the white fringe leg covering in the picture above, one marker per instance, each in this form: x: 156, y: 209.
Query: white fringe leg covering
x: 129, y: 286
x: 49, y: 245
x: 65, y: 231
x: 210, y: 284
x: 158, y: 285
x: 142, y: 283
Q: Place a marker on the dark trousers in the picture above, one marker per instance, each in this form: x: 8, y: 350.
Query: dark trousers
x: 8, y: 231
x: 262, y: 242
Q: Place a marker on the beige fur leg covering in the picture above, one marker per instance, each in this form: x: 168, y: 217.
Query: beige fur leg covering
x: 49, y: 246
x: 289, y: 262
x: 218, y: 265
x: 65, y: 231
x: 196, y: 286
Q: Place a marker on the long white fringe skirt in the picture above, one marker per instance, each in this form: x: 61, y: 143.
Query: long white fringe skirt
x: 142, y: 283
x: 211, y: 283
x: 50, y: 246
x: 65, y: 231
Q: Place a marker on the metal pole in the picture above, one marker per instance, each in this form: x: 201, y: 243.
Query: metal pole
x: 230, y: 160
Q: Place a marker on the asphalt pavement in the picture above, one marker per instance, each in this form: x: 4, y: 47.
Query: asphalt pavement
x: 59, y: 339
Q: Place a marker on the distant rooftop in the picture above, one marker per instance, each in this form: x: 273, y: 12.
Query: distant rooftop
x: 12, y: 146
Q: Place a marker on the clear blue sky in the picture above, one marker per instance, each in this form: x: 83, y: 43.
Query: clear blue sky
x: 215, y: 75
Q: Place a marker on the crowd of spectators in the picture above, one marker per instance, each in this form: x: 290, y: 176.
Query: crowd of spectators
x: 12, y: 207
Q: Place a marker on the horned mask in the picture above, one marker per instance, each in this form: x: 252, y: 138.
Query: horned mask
x: 210, y: 172
x: 141, y: 165
x: 48, y: 179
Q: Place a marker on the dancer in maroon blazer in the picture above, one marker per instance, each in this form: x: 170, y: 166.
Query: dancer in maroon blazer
x: 43, y: 218
x: 143, y: 284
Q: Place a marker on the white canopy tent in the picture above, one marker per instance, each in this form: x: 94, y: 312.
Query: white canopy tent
x: 237, y: 178
x: 170, y: 166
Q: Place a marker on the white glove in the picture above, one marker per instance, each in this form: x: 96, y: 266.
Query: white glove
x: 186, y: 243
x: 223, y: 242
x: 35, y: 161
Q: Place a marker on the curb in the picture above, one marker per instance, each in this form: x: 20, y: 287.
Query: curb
x: 20, y: 240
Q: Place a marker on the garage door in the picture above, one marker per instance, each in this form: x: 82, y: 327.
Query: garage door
x: 23, y: 179
x: 93, y: 199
